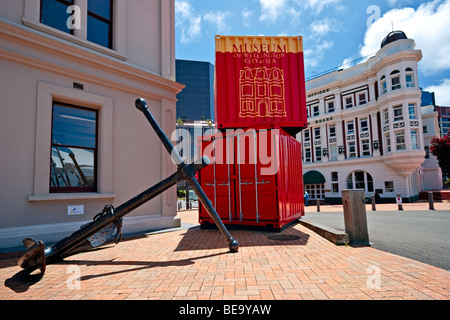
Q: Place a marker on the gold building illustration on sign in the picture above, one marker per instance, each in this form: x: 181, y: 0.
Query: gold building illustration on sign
x: 262, y: 92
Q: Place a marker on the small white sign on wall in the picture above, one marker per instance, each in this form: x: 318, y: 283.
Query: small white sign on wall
x: 73, y: 210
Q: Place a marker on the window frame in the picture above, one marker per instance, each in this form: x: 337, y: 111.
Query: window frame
x: 110, y: 23
x: 352, y: 154
x: 388, y: 143
x: 398, y: 117
x: 415, y: 145
x: 383, y: 85
x: 368, y: 183
x: 46, y: 93
x: 368, y: 151
x: 347, y: 104
x: 362, y: 101
x: 306, y: 135
x: 412, y: 106
x: 307, y: 155
x: 317, y: 133
x: 395, y: 75
x: 71, y: 189
x: 347, y: 123
x: 67, y: 3
x: 332, y: 133
x: 409, y: 72
x: 399, y: 134
x: 386, y: 116
x: 318, y: 153
x: 389, y: 186
x: 366, y: 127
x: 315, y: 110
x: 331, y: 109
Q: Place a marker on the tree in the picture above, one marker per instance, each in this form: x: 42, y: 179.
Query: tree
x: 440, y: 147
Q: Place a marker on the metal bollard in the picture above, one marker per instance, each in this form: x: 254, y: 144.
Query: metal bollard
x: 430, y: 201
x: 399, y: 202
x: 373, y: 202
x: 318, y: 205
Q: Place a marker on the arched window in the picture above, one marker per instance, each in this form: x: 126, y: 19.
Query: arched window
x: 395, y: 80
x: 409, y: 77
x: 360, y: 180
x: 383, y: 86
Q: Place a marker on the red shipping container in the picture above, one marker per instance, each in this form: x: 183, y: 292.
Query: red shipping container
x: 260, y: 81
x: 255, y: 178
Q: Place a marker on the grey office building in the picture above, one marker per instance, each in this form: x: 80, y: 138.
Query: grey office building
x: 196, y: 100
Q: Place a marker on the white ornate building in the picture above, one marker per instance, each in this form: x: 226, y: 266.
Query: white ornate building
x: 365, y: 128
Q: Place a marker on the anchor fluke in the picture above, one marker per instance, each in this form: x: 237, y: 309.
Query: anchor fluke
x: 34, y: 256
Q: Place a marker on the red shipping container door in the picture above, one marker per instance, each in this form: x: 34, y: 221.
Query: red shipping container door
x: 260, y: 81
x: 255, y: 178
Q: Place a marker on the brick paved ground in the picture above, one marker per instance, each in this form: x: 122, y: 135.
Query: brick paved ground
x: 196, y: 264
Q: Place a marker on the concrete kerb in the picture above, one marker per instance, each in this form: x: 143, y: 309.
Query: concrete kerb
x: 335, y: 236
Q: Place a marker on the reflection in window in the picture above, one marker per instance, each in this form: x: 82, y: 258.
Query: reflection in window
x: 395, y: 80
x: 398, y: 113
x: 415, y: 139
x: 74, y: 149
x: 412, y: 111
x: 409, y: 77
x: 400, y: 140
x: 54, y: 14
x: 99, y: 22
x: 383, y: 85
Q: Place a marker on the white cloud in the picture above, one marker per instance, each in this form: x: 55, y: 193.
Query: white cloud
x: 396, y: 3
x: 274, y: 10
x: 323, y: 27
x: 314, y: 56
x: 246, y: 15
x: 428, y: 25
x: 271, y: 9
x: 319, y: 5
x: 218, y: 18
x: 441, y: 92
x: 187, y: 21
x: 190, y: 23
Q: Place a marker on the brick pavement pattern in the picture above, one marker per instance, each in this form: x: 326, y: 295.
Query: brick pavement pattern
x: 196, y: 264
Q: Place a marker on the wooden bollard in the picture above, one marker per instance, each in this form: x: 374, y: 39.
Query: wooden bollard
x: 355, y: 216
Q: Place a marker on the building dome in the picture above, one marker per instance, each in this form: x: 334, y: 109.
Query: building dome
x: 393, y: 36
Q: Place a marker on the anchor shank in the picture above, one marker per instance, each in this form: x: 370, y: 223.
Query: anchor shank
x: 56, y: 250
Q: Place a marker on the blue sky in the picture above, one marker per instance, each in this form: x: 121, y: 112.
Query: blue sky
x: 334, y: 31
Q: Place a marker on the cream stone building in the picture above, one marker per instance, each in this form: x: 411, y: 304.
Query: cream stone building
x: 71, y: 138
x: 365, y: 128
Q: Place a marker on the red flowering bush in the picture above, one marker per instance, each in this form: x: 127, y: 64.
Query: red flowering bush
x: 440, y: 147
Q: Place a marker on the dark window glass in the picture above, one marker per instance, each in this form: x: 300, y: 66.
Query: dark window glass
x: 334, y: 176
x: 74, y: 149
x: 99, y: 22
x: 101, y: 8
x: 54, y: 14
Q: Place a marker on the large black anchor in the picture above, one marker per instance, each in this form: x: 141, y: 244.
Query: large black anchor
x: 98, y: 231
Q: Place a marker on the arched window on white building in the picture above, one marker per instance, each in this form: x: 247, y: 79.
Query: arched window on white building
x: 395, y: 80
x: 360, y: 180
x: 383, y: 86
x: 409, y: 77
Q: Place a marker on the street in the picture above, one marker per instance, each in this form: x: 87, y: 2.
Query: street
x: 422, y: 235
